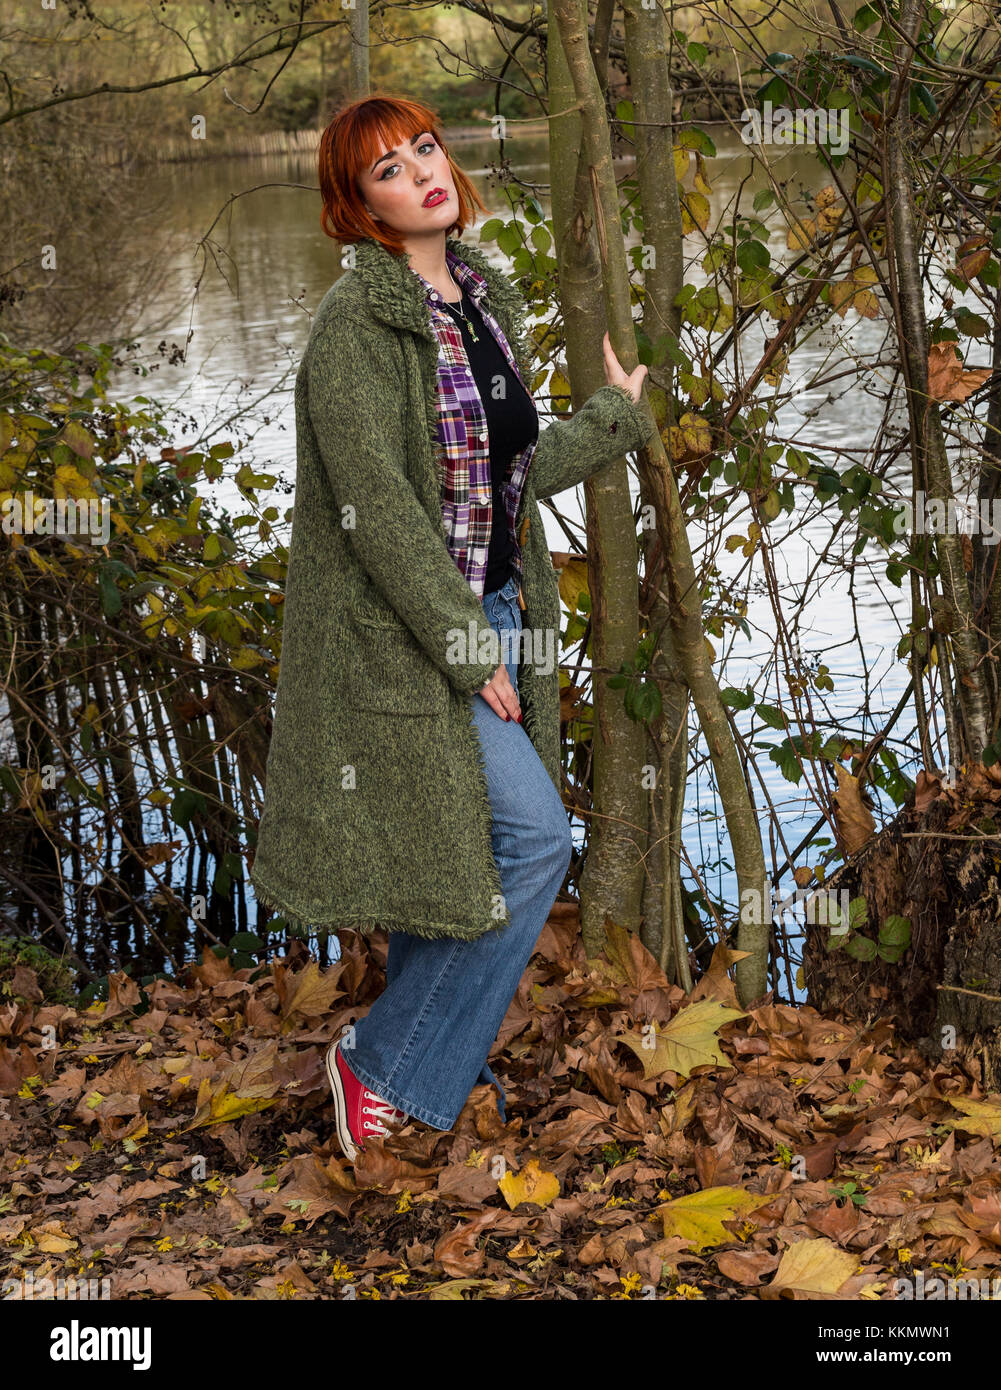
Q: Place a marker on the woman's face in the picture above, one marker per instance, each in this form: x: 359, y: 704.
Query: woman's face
x: 396, y: 185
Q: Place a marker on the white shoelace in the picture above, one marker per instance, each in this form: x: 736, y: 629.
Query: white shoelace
x: 382, y: 1110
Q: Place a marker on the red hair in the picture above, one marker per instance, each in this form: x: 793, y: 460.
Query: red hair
x: 358, y: 134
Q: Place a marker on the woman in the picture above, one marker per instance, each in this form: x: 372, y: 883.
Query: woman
x: 413, y: 775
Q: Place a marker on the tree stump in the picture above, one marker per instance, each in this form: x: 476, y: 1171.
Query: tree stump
x: 937, y: 863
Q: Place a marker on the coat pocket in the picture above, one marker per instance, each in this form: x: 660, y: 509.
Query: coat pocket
x: 389, y: 672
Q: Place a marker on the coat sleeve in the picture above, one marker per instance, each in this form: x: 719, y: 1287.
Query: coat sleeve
x: 350, y: 381
x: 608, y: 425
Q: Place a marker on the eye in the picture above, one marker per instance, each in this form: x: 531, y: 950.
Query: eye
x: 424, y: 145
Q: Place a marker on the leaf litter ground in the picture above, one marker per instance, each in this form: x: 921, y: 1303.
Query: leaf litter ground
x: 657, y: 1144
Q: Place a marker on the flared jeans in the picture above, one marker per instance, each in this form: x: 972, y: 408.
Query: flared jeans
x: 424, y: 1043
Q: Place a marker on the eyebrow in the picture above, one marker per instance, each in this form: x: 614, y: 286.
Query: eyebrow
x: 391, y: 154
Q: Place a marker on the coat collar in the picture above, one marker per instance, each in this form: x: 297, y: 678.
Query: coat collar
x: 399, y: 297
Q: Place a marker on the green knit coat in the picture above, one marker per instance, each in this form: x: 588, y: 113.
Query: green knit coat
x: 375, y: 808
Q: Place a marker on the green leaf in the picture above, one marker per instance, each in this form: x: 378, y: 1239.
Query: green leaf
x: 771, y: 716
x: 246, y: 941
x: 695, y: 139
x: 861, y: 948
x: 751, y: 256
x: 184, y: 806
x: 896, y: 931
x: 111, y: 598
x: 738, y: 699
x: 921, y: 96
x: 865, y: 17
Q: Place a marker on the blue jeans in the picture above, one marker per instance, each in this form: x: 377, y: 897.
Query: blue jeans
x: 424, y: 1043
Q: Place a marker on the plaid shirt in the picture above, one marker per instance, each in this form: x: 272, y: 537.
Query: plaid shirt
x: 464, y: 459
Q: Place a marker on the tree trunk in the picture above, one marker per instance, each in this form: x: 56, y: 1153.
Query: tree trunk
x: 930, y: 460
x: 611, y: 885
x: 663, y: 259
x: 658, y: 477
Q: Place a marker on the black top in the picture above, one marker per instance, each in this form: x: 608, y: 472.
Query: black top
x: 512, y: 424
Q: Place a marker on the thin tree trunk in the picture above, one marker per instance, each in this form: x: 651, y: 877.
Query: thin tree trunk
x: 929, y: 456
x: 646, y: 39
x: 611, y: 884
x: 658, y: 477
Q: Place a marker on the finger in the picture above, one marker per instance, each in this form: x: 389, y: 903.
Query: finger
x: 494, y: 701
x: 507, y: 694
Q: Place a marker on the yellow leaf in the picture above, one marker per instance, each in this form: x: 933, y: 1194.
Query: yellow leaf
x: 559, y: 391
x: 78, y: 439
x: 697, y: 433
x: 214, y: 1108
x: 800, y: 235
x: 854, y: 292
x: 776, y: 370
x: 681, y: 161
x: 694, y: 212
x: 532, y: 1184
x: 983, y: 1116
x: 699, y: 1216
x: 814, y: 1266
x: 572, y: 580
x: 690, y: 1040
x: 74, y: 482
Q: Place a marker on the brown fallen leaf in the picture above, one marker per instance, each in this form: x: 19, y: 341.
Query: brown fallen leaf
x: 853, y: 818
x: 457, y: 1252
x: 745, y: 1267
x: 947, y: 379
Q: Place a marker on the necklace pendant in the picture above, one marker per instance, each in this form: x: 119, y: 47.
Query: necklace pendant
x: 472, y: 332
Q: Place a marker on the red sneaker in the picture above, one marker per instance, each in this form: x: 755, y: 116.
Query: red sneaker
x: 359, y: 1111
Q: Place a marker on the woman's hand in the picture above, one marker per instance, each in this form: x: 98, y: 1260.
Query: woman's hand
x: 500, y: 694
x: 616, y: 376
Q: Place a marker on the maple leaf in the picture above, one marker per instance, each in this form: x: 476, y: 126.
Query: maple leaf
x: 698, y: 1217
x: 313, y: 993
x: 532, y: 1184
x: 690, y: 1040
x: 53, y: 1239
x: 947, y: 381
